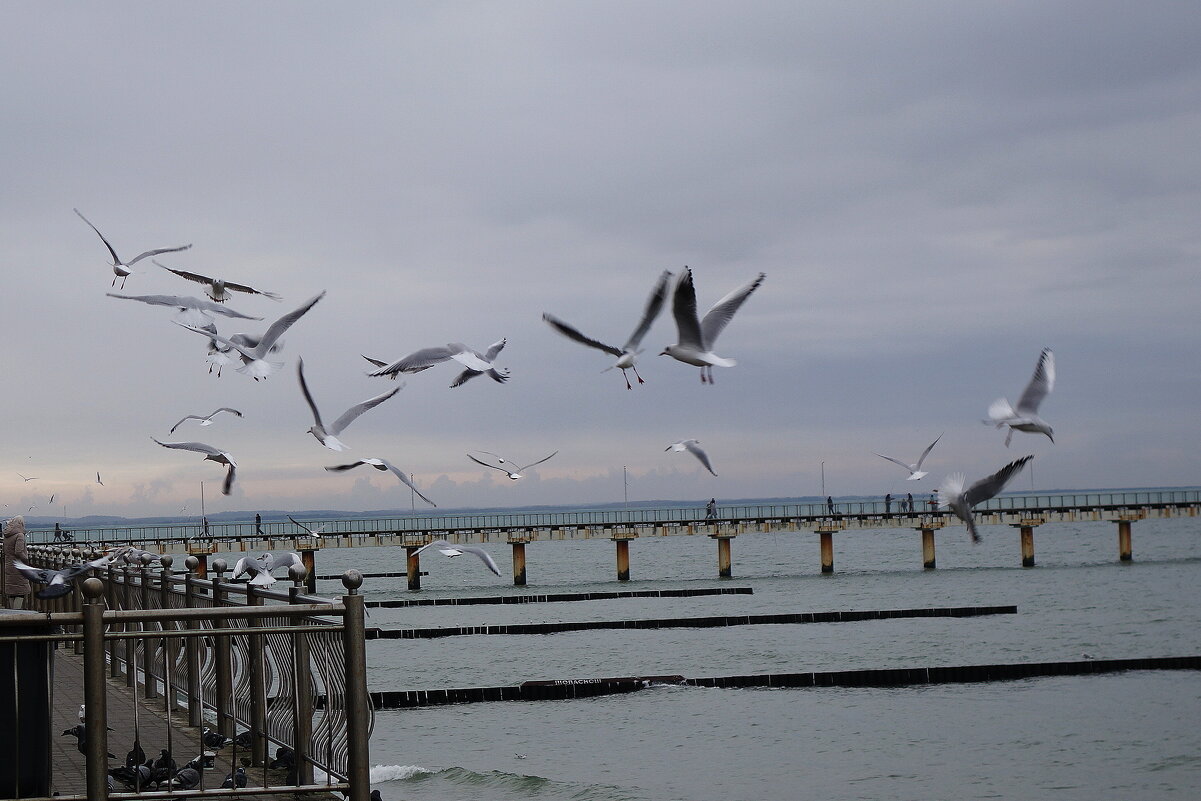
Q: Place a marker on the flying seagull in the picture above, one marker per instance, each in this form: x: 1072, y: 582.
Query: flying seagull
x: 206, y: 420
x: 1026, y: 418
x: 328, y: 436
x: 312, y: 531
x: 58, y: 582
x: 121, y: 269
x: 192, y: 311
x: 254, y: 352
x: 272, y: 563
x: 512, y: 474
x: 98, y: 481
x: 217, y: 288
x: 381, y: 464
x: 260, y: 576
x: 696, y: 339
x: 210, y: 453
x: 915, y: 470
x: 30, y: 478
x: 628, y: 352
x: 693, y: 446
x: 474, y: 362
x: 960, y: 501
x: 458, y: 550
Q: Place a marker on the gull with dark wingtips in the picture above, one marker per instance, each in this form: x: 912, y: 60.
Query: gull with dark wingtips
x: 693, y: 446
x: 205, y: 420
x: 58, y: 582
x: 447, y: 549
x: 1025, y: 417
x: 192, y: 311
x: 328, y: 436
x: 915, y: 470
x: 254, y: 351
x: 380, y: 464
x: 960, y: 501
x: 628, y: 352
x: 212, y: 454
x: 476, y: 363
x: 121, y: 269
x: 218, y: 288
x: 514, y: 474
x: 697, y: 337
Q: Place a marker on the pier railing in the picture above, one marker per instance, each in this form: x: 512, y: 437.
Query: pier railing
x: 281, y: 669
x: 230, y: 532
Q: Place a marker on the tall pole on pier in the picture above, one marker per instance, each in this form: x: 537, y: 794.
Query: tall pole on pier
x: 625, y: 485
x: 823, y: 478
x: 412, y: 498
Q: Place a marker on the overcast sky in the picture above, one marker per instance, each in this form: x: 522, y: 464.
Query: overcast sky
x: 935, y: 191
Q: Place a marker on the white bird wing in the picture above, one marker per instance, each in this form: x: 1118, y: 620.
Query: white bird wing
x: 534, y: 464
x: 1041, y: 383
x: 184, y: 420
x: 415, y: 362
x: 199, y: 447
x: 251, y: 290
x: 723, y: 311
x: 696, y: 451
x: 351, y: 414
x: 654, y: 304
x: 683, y: 308
x: 485, y: 464
x: 308, y: 397
x: 484, y: 556
x: 910, y: 468
x: 116, y: 258
x: 988, y: 487
x: 232, y: 411
x: 185, y: 302
x: 277, y: 328
x: 406, y: 480
x: 494, y: 350
x: 155, y: 252
x: 468, y: 357
x: 574, y: 334
x: 319, y: 529
x: 925, y: 453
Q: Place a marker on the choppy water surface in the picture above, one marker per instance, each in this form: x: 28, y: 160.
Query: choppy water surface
x: 1130, y: 735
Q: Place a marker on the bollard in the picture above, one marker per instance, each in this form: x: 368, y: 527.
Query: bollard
x: 94, y: 690
x: 358, y: 702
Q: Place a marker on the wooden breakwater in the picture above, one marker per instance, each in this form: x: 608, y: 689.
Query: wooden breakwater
x: 557, y: 597
x: 885, y: 677
x: 713, y: 621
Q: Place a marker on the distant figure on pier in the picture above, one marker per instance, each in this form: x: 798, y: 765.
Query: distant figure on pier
x: 16, y: 586
x: 888, y: 503
x: 62, y: 536
x: 830, y: 504
x: 909, y: 501
x: 933, y: 502
x: 258, y: 524
x: 206, y: 526
x: 711, y: 509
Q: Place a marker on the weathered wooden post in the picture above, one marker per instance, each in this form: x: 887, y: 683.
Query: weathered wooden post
x: 1125, y: 554
x: 928, y: 560
x: 413, y: 565
x: 1027, y: 538
x: 518, y: 563
x: 623, y: 556
x: 827, y: 549
x: 724, y: 563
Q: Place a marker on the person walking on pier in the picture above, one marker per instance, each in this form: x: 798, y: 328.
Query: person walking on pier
x: 909, y: 500
x: 888, y: 503
x: 711, y: 509
x: 830, y: 504
x: 16, y: 586
x: 258, y: 524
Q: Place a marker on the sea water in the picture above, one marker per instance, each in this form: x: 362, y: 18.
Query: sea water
x: 1129, y: 735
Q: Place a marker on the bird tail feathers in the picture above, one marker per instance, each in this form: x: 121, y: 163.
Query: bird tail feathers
x: 1000, y: 411
x: 952, y: 487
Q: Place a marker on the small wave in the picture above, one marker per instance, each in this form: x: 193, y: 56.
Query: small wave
x: 504, y: 785
x: 392, y: 773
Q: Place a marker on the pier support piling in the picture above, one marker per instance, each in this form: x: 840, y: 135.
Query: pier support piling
x: 827, y: 546
x: 724, y: 563
x: 928, y: 561
x: 518, y: 564
x: 623, y: 559
x: 414, y: 567
x: 1027, y: 537
x: 1125, y: 553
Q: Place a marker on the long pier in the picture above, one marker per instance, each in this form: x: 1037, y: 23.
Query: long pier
x: 1024, y: 512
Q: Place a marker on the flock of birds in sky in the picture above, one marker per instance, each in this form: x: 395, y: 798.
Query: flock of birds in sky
x: 257, y: 356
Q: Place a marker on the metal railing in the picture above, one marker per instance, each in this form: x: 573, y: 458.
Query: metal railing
x: 287, y: 668
x: 230, y: 532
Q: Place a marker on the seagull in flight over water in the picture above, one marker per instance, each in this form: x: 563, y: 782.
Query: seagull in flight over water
x: 915, y: 470
x: 1025, y: 417
x: 380, y: 464
x: 475, y: 362
x: 628, y: 352
x: 960, y: 501
x: 216, y: 287
x: 328, y: 436
x: 693, y: 446
x: 512, y: 474
x: 58, y: 582
x: 192, y: 311
x: 696, y: 338
x: 458, y: 550
x: 213, y: 454
x: 121, y: 269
